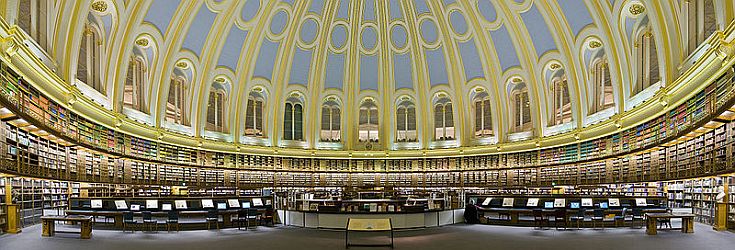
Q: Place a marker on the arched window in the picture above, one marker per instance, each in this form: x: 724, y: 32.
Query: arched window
x: 646, y: 60
x: 293, y: 121
x: 406, y: 121
x: 134, y: 90
x: 443, y: 120
x: 603, y: 88
x: 33, y: 19
x: 483, y: 116
x: 330, y: 131
x: 521, y: 109
x: 368, y: 124
x: 254, y: 114
x: 216, y: 111
x: 89, y: 62
x: 175, y: 103
x: 701, y: 22
x: 562, y: 104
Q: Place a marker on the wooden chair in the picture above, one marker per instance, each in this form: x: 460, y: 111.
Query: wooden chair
x: 267, y: 217
x: 252, y: 216
x: 129, y: 221
x: 148, y: 220
x: 539, y: 220
x: 173, y: 219
x: 212, y: 217
x: 560, y: 218
x: 598, y: 216
x: 242, y: 218
x: 637, y: 217
x: 579, y: 217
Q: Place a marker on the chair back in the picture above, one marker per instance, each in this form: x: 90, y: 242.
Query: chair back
x: 269, y: 212
x: 212, y: 214
x: 581, y: 212
x: 538, y: 214
x: 128, y: 216
x: 242, y: 213
x: 599, y: 213
x: 147, y: 215
x: 637, y: 211
x: 252, y: 212
x: 173, y: 215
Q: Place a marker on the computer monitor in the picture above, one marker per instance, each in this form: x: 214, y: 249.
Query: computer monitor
x: 603, y: 205
x: 246, y: 204
x: 549, y: 204
x: 574, y: 205
x: 222, y: 206
x: 134, y: 207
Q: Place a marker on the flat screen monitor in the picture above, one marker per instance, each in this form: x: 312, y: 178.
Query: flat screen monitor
x: 166, y: 207
x: 134, y: 207
x: 96, y: 204
x: 151, y: 204
x: 603, y: 205
x: 246, y: 204
x: 549, y: 204
x: 221, y: 206
x: 121, y: 205
x: 207, y: 204
x: 574, y: 205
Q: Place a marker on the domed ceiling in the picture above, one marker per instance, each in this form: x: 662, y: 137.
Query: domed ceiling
x: 369, y: 74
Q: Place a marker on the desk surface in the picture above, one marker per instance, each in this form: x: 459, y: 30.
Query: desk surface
x: 369, y: 225
x: 669, y: 215
x: 68, y: 218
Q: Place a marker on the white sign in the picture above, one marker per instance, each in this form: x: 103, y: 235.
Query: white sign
x: 180, y: 204
x: 641, y: 202
x: 120, y: 204
x: 507, y: 202
x: 586, y: 202
x: 151, y: 204
x: 532, y: 202
x: 207, y: 204
x: 166, y: 207
x: 233, y: 203
x: 486, y: 201
x: 559, y: 203
x: 96, y: 204
x: 614, y: 202
x: 257, y: 202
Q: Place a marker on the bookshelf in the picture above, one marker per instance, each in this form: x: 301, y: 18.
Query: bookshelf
x: 3, y: 208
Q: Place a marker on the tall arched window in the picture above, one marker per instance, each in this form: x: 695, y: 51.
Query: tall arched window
x: 521, y: 109
x: 406, y: 122
x: 293, y: 121
x: 646, y: 60
x: 216, y: 111
x: 483, y: 115
x: 134, y: 90
x: 562, y: 104
x: 33, y: 19
x: 330, y: 131
x: 254, y: 114
x: 603, y: 88
x: 701, y: 22
x: 443, y: 120
x: 175, y: 103
x: 368, y: 124
x: 89, y: 61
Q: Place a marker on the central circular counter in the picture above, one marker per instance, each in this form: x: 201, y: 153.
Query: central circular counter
x: 399, y: 220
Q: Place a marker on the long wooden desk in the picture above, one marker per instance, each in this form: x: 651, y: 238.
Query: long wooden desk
x: 49, y: 224
x: 118, y: 215
x: 687, y: 222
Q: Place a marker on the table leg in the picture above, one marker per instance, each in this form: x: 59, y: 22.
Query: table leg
x: 514, y: 217
x: 48, y: 228
x: 118, y: 221
x: 651, y: 226
x: 226, y: 220
x: 688, y: 225
x: 86, y: 230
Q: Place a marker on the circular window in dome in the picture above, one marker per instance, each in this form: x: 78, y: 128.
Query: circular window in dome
x: 428, y: 31
x: 339, y: 36
x: 459, y: 24
x: 399, y: 36
x: 249, y: 10
x: 487, y: 10
x: 279, y: 22
x: 369, y: 38
x: 309, y: 30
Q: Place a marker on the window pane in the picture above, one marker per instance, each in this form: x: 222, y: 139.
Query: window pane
x: 259, y: 117
x: 250, y: 117
x: 336, y: 119
x: 298, y: 122
x: 478, y: 117
x: 401, y: 119
x: 411, y: 118
x: 326, y: 118
x: 288, y: 122
x: 488, y: 114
